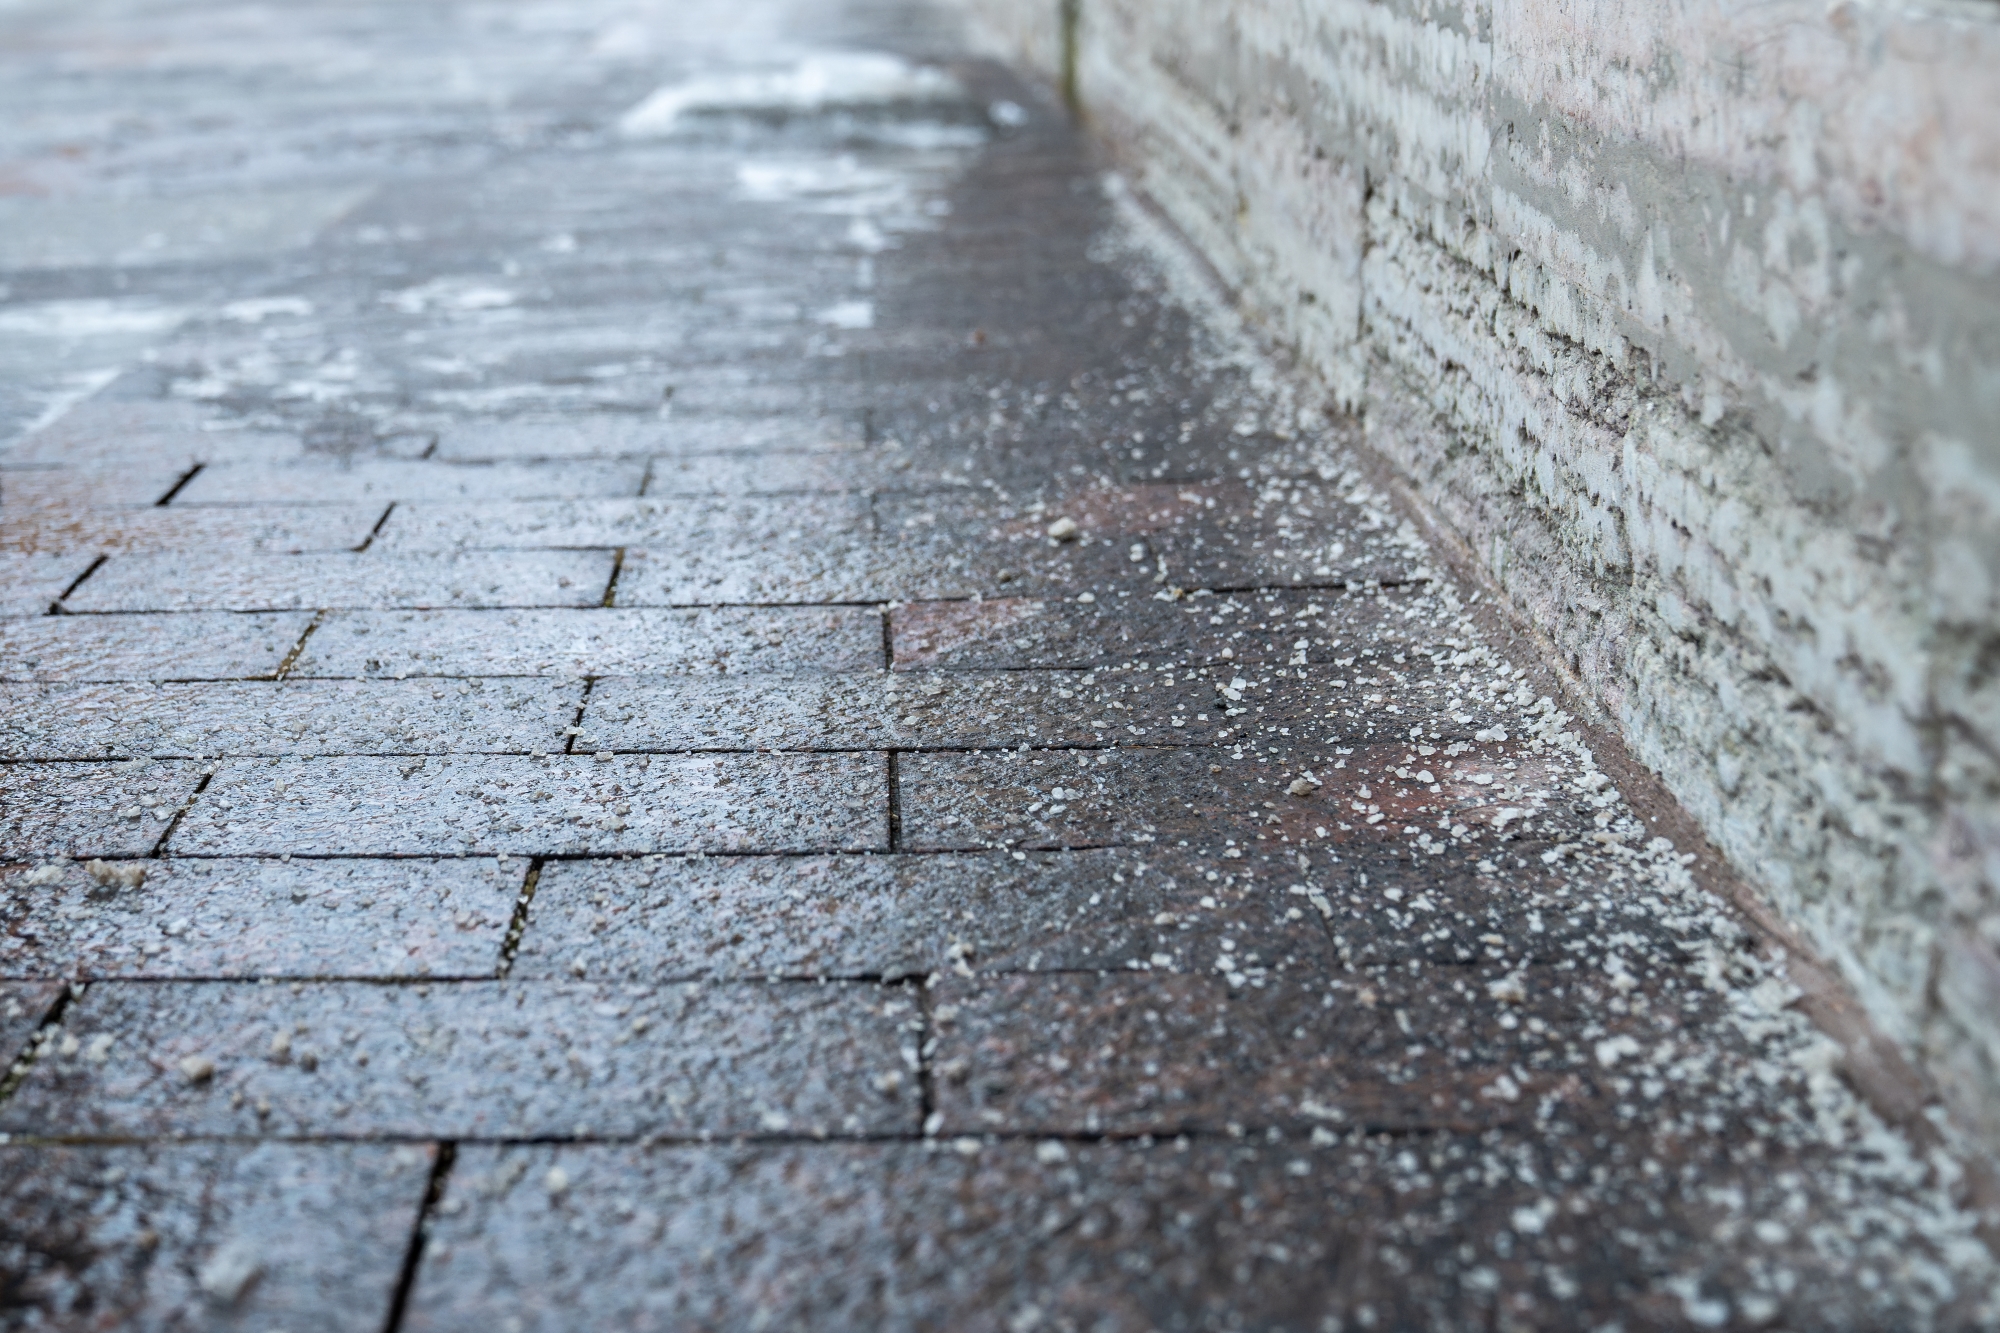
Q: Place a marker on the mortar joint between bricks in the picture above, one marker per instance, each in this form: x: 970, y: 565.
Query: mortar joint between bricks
x: 43, y: 1037
x: 406, y: 1278
x: 291, y: 659
x: 166, y: 834
x: 517, y: 924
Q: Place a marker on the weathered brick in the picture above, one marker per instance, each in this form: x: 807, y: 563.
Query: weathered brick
x: 209, y: 1235
x: 205, y: 646
x: 1266, y: 627
x: 892, y: 916
x: 595, y: 642
x: 348, y: 806
x: 90, y: 809
x: 1385, y: 1048
x: 230, y: 918
x: 245, y: 582
x: 1080, y: 798
x: 30, y: 584
x: 270, y: 531
x: 471, y: 1060
x: 318, y: 482
x: 687, y: 527
x: 302, y: 717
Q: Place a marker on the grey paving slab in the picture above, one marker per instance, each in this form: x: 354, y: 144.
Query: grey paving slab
x: 1199, y: 534
x: 156, y: 432
x: 598, y: 642
x: 243, y: 581
x: 472, y: 1060
x: 896, y: 916
x: 90, y: 809
x: 23, y: 1006
x: 290, y: 717
x: 675, y: 528
x: 66, y: 487
x: 30, y: 584
x: 256, y: 918
x: 1140, y: 796
x: 202, y: 646
x: 668, y: 438
x: 982, y: 709
x: 1119, y: 1236
x: 1168, y: 1055
x: 222, y: 1236
x: 329, y: 482
x: 149, y: 530
x: 562, y: 804
x: 1002, y: 633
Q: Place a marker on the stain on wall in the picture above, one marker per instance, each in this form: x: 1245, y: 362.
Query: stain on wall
x: 1686, y: 317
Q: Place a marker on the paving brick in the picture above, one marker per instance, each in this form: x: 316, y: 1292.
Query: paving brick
x: 267, y: 531
x: 1134, y: 1236
x: 597, y: 642
x: 228, y: 918
x: 1011, y: 633
x: 1385, y: 1048
x: 684, y: 526
x: 290, y: 717
x: 63, y: 489
x: 23, y: 1005
x: 90, y: 809
x: 157, y: 432
x: 472, y: 1060
x: 564, y: 804
x: 235, y: 581
x: 948, y: 710
x: 893, y: 916
x: 670, y: 439
x: 382, y: 481
x: 30, y: 584
x: 1082, y: 798
x: 209, y: 1235
x: 1201, y: 534
x: 208, y: 646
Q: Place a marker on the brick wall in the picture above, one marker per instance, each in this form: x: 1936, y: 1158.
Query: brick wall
x: 1686, y: 318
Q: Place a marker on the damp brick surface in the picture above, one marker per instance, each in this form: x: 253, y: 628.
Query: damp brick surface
x: 748, y: 714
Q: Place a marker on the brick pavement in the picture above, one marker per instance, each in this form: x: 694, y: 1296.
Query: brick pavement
x: 767, y: 719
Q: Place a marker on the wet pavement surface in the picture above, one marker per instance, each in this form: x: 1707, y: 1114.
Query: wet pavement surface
x: 662, y: 668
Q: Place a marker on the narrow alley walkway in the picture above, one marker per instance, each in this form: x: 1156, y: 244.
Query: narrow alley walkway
x: 661, y: 672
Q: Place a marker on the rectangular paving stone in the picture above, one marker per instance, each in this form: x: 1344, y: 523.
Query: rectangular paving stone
x: 473, y: 1060
x: 897, y: 916
x: 1119, y: 1237
x: 30, y: 584
x: 289, y: 717
x: 159, y: 432
x: 970, y: 709
x: 1384, y: 1049
x: 230, y: 918
x: 210, y: 1235
x: 1202, y: 534
x: 1063, y: 798
x: 129, y: 531
x: 232, y: 581
x: 317, y: 482
x: 564, y: 804
x: 1018, y: 633
x: 23, y: 1005
x: 208, y: 646
x: 689, y: 527
x: 90, y: 809
x: 670, y: 439
x: 65, y: 488
x: 602, y: 641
